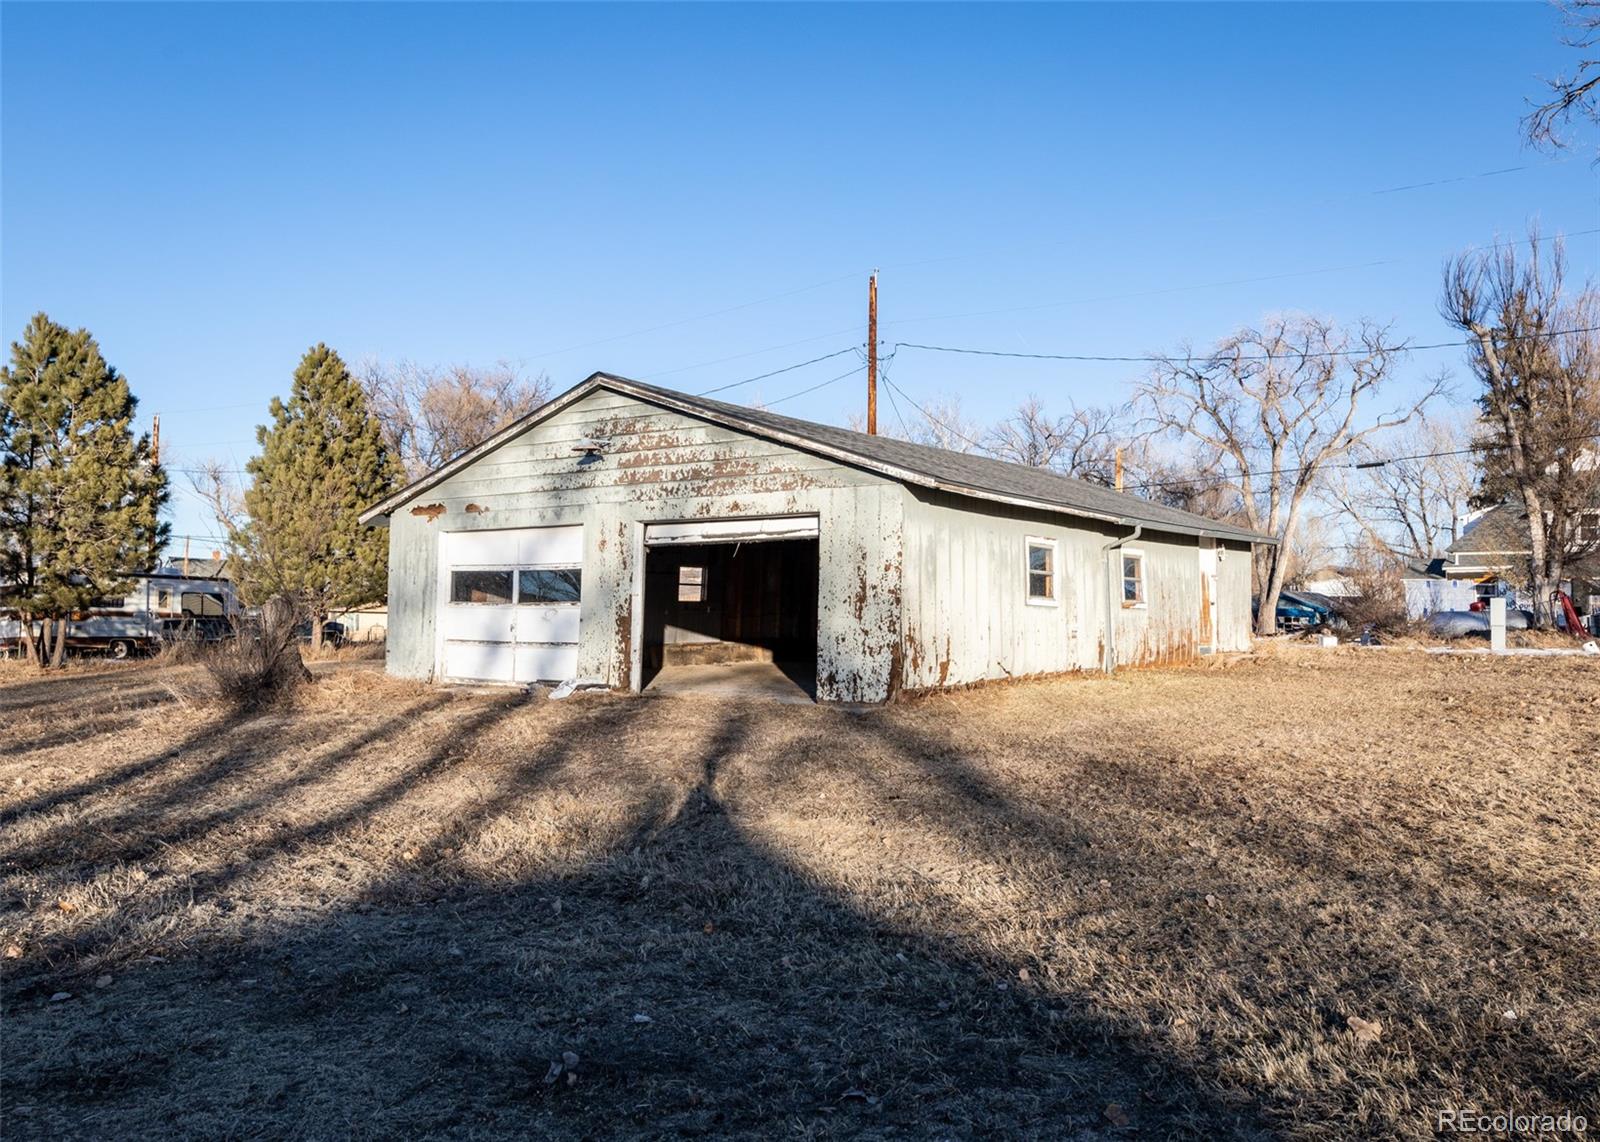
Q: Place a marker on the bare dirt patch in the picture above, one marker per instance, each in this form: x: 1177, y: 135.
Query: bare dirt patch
x: 1305, y: 893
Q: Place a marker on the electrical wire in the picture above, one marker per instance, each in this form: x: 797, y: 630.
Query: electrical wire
x: 1224, y: 477
x: 1202, y: 286
x: 697, y: 317
x: 775, y: 372
x: 953, y: 431
x: 1156, y: 358
x: 814, y: 388
x: 1303, y: 204
x: 888, y: 389
x: 752, y: 353
x: 1230, y: 476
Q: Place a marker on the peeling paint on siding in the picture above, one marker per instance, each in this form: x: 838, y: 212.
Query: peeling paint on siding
x: 662, y: 466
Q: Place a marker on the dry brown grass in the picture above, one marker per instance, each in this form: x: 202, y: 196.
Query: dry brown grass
x: 1039, y: 910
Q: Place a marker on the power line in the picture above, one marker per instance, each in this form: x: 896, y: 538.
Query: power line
x: 775, y: 372
x: 814, y: 388
x: 957, y: 433
x: 1228, y: 476
x: 1303, y: 204
x: 752, y: 353
x: 1156, y: 358
x: 1224, y: 477
x: 1204, y: 285
x: 888, y: 388
x: 697, y: 317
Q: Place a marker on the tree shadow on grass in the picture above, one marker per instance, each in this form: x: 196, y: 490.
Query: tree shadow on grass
x: 677, y: 976
x: 164, y: 816
x: 1183, y: 868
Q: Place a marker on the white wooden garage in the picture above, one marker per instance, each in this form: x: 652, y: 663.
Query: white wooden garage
x: 623, y: 532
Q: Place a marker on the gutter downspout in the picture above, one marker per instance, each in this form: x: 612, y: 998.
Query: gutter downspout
x: 1111, y: 597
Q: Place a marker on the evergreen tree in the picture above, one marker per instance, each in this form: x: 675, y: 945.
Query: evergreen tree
x: 80, y: 495
x: 323, y: 461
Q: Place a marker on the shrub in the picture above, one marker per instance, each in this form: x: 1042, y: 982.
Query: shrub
x: 261, y: 665
x: 1381, y: 599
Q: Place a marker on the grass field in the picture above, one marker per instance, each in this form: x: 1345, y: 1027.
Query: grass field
x: 1297, y: 894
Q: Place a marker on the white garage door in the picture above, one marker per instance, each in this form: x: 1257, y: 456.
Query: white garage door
x: 509, y: 603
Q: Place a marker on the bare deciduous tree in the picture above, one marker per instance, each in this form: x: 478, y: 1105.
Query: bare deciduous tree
x: 1576, y: 93
x: 937, y: 423
x: 1535, y: 352
x: 1082, y: 442
x: 1278, y: 404
x: 1411, y: 501
x: 430, y: 415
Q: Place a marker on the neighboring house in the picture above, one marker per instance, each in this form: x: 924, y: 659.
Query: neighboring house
x: 1490, y: 558
x: 1428, y: 590
x: 623, y: 528
x: 364, y: 624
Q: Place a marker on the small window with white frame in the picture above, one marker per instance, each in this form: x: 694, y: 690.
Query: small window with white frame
x: 1132, y: 578
x: 1041, y: 572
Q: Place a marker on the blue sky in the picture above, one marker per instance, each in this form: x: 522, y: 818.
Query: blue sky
x: 211, y: 189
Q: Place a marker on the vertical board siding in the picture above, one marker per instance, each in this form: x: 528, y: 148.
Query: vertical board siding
x: 660, y: 466
x: 966, y: 614
x: 1233, y: 596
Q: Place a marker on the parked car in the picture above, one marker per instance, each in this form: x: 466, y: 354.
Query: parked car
x: 332, y: 633
x: 1301, y: 610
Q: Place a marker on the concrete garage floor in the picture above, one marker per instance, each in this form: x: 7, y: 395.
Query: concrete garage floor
x: 766, y: 680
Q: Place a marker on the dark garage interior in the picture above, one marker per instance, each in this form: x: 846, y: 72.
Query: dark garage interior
x: 726, y: 604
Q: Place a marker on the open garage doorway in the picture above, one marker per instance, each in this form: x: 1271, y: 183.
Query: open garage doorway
x: 731, y: 616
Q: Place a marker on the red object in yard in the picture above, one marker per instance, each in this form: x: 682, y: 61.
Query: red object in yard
x: 1575, y: 625
x: 1478, y: 605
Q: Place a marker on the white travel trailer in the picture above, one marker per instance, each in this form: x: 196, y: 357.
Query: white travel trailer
x: 157, y: 607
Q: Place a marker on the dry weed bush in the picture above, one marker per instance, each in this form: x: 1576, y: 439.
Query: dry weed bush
x: 1381, y: 599
x: 261, y: 666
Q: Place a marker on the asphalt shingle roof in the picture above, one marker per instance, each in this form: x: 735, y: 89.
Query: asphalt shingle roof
x: 959, y: 472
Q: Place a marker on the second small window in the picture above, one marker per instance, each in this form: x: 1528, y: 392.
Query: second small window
x: 1041, y: 571
x: 554, y: 585
x: 1132, y: 578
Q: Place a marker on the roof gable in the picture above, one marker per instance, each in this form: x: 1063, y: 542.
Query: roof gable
x: 979, y: 477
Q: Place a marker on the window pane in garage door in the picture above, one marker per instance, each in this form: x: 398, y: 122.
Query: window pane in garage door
x: 559, y: 585
x: 480, y: 587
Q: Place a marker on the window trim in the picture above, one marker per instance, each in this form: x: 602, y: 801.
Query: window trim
x: 1053, y: 599
x: 703, y: 586
x: 1143, y: 601
x: 515, y: 571
x: 449, y: 585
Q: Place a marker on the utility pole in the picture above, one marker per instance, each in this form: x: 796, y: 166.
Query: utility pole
x: 155, y: 440
x: 1119, y: 469
x: 872, y: 354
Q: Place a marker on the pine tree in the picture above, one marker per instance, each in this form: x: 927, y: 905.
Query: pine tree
x: 323, y: 461
x: 80, y: 495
